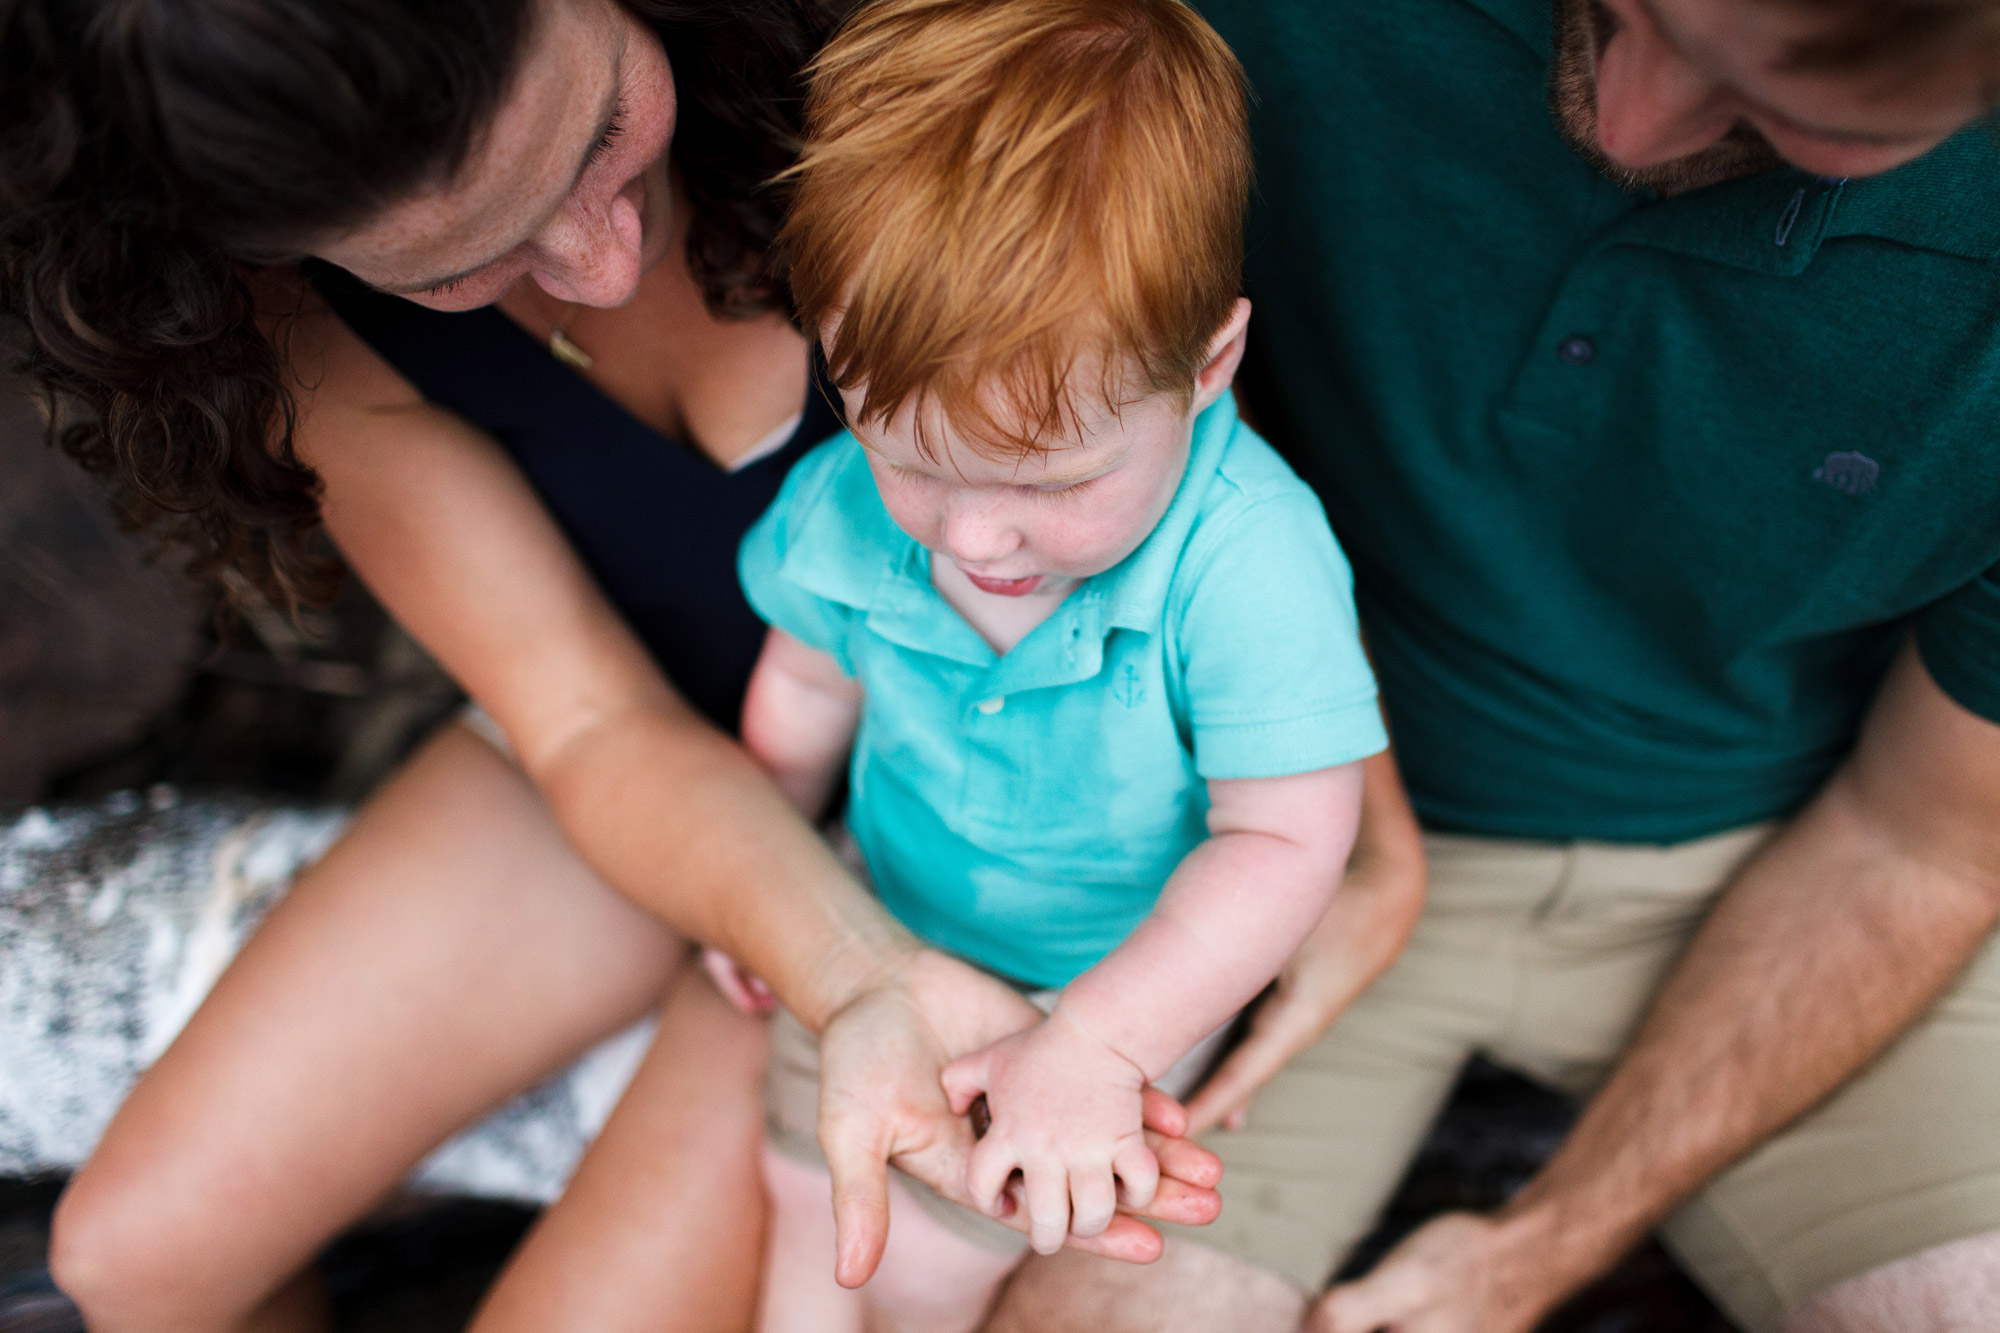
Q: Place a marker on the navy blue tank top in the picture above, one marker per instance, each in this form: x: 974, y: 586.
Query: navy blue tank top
x: 656, y: 521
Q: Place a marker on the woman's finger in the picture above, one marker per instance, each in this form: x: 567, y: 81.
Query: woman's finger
x: 1185, y: 1160
x: 1161, y: 1113
x: 860, y: 1206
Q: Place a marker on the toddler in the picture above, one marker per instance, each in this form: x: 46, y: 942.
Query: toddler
x: 1089, y: 643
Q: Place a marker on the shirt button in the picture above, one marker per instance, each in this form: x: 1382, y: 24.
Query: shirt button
x: 1576, y: 349
x: 991, y: 706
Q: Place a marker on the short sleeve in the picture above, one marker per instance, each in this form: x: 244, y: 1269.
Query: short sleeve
x: 816, y: 621
x: 1274, y: 676
x: 1959, y: 640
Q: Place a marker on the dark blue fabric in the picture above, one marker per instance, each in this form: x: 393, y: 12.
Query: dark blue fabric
x: 656, y: 521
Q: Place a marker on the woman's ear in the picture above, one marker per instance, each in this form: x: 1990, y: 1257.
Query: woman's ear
x: 1225, y: 354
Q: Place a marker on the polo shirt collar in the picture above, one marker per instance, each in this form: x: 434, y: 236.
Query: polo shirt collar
x: 865, y: 561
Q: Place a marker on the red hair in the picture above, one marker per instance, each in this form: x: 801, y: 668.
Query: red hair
x: 993, y: 189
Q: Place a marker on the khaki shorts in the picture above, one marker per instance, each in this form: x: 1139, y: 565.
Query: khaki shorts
x: 1544, y: 957
x: 791, y: 1117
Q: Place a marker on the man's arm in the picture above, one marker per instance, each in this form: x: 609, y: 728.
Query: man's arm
x: 1830, y: 942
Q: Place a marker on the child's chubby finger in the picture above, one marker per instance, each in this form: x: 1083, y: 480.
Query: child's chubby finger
x: 1138, y: 1174
x: 964, y: 1079
x: 1184, y: 1159
x: 992, y: 1162
x: 1047, y: 1197
x: 740, y: 987
x: 1093, y: 1199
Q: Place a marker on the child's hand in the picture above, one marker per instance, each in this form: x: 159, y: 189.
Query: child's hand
x: 740, y: 987
x: 1065, y: 1112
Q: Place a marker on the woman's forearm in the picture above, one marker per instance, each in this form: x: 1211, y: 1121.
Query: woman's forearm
x: 683, y: 820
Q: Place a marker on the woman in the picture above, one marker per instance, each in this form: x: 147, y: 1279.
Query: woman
x: 521, y: 888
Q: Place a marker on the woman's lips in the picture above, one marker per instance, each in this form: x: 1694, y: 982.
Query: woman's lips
x: 1006, y: 587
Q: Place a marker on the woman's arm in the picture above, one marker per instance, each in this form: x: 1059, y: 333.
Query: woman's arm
x: 443, y: 528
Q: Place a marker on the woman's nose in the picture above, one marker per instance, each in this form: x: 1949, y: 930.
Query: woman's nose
x: 591, y: 255
x: 1653, y: 105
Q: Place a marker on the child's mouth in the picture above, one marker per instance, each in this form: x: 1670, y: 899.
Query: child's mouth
x: 1006, y: 587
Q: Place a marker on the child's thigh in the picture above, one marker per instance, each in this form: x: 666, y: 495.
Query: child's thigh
x: 448, y: 951
x: 932, y: 1278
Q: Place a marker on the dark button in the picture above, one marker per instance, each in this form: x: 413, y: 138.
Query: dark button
x: 1577, y: 350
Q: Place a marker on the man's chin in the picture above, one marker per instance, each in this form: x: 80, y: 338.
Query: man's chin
x: 1573, y: 102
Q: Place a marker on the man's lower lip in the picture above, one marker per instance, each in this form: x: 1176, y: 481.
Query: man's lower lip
x: 1006, y: 587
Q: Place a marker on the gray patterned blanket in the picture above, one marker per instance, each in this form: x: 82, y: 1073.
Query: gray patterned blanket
x: 116, y: 918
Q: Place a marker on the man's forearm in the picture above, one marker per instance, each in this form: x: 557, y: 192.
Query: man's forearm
x: 679, y: 817
x: 1830, y: 942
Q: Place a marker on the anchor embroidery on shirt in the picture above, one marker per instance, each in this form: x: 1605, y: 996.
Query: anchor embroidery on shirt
x: 1129, y: 689
x: 1849, y: 472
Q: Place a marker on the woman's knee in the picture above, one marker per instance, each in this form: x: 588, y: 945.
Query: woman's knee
x: 111, y: 1254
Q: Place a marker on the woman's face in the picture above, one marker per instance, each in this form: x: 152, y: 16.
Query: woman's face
x: 568, y: 185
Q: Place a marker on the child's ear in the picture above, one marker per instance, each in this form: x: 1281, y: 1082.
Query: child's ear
x: 1225, y: 354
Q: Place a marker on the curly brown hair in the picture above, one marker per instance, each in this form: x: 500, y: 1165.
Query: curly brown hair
x: 153, y: 153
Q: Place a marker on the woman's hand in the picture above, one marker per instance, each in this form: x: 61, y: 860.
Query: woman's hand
x: 1361, y: 934
x: 881, y: 1100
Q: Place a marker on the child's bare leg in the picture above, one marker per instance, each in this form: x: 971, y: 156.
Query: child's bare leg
x: 798, y: 1293
x: 931, y: 1280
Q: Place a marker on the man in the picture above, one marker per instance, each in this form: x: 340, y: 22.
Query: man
x: 1660, y: 431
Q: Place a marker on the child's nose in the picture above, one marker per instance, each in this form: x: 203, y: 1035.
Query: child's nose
x: 973, y: 534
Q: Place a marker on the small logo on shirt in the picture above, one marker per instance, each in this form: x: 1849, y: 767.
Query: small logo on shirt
x: 1129, y: 689
x: 1848, y: 472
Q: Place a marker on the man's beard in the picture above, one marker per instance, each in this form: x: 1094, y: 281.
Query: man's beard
x: 1582, y: 26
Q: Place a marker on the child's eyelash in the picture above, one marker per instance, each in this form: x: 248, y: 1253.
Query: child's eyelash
x: 1058, y: 493
x: 602, y: 148
x: 443, y: 288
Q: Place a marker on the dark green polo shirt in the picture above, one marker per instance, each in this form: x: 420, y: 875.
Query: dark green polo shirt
x: 1641, y: 494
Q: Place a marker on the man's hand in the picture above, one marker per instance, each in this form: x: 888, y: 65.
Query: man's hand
x: 1455, y: 1274
x: 1363, y: 930
x: 881, y: 1100
x: 1065, y: 1114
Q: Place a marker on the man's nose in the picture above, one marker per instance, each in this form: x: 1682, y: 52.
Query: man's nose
x: 1653, y: 106
x: 590, y: 255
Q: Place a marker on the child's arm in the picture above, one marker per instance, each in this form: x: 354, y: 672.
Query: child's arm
x: 1064, y: 1095
x: 799, y: 717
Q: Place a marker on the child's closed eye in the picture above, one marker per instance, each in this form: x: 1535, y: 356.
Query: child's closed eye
x: 1067, y: 490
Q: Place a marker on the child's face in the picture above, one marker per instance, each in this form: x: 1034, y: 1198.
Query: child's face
x: 1038, y: 525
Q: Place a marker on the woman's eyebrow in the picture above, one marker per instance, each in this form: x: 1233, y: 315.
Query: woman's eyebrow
x: 609, y: 114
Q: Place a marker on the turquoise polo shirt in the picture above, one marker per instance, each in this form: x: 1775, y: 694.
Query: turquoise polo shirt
x: 1642, y: 493
x: 1024, y: 811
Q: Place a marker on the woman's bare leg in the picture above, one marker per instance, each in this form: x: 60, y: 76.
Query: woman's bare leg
x: 661, y: 1228
x: 448, y: 952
